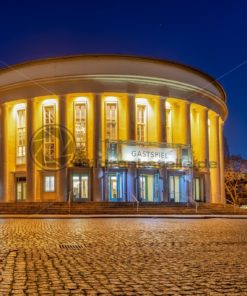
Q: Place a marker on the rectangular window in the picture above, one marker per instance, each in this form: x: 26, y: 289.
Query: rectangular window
x: 21, y: 137
x: 49, y: 183
x: 49, y: 121
x: 80, y: 129
x: 111, y: 121
x: 141, y: 123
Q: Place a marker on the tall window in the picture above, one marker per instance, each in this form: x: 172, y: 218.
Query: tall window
x: 21, y: 137
x: 49, y: 120
x: 168, y: 124
x: 141, y: 123
x: 80, y: 129
x: 111, y: 121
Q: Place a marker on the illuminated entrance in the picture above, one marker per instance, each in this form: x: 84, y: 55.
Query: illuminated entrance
x: 21, y: 188
x: 80, y: 187
x: 149, y: 187
x: 116, y: 186
x: 153, y: 172
x: 178, y: 191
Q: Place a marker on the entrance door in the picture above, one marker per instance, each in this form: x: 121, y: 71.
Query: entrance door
x: 149, y: 187
x: 174, y: 188
x: 21, y: 188
x: 143, y: 187
x: 80, y: 187
x: 115, y: 187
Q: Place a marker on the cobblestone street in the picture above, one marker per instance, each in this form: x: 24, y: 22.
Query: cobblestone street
x: 123, y: 257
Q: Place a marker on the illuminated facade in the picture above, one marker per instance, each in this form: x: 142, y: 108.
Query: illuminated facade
x: 141, y: 128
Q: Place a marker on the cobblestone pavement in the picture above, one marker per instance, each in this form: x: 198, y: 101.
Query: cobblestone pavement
x: 123, y: 257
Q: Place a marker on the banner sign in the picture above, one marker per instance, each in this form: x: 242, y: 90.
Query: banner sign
x: 148, y: 154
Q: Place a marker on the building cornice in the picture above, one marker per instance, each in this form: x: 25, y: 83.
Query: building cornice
x: 190, y: 92
x: 97, y: 57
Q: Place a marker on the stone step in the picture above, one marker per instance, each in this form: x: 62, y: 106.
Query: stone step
x: 115, y: 208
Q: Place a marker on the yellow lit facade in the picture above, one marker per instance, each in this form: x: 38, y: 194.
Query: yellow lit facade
x: 141, y: 128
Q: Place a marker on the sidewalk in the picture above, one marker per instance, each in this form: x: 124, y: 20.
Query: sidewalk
x: 198, y: 216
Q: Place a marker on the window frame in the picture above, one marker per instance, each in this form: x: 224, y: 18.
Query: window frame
x: 77, y: 147
x: 145, y: 124
x: 110, y: 121
x: 119, y: 179
x: 174, y: 181
x: 80, y: 177
x: 47, y: 145
x: 21, y: 134
x: 54, y: 184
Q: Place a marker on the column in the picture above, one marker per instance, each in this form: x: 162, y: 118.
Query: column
x: 162, y: 119
x: 204, y: 135
x: 131, y: 117
x: 163, y: 139
x: 8, y: 178
x: 181, y: 123
x: 218, y: 160
x: 62, y: 173
x: 205, y: 150
x: 187, y: 124
x: 222, y: 169
x: 97, y: 170
x: 30, y: 167
x: 131, y: 125
x: 214, y: 158
x: 186, y: 128
x: 2, y: 153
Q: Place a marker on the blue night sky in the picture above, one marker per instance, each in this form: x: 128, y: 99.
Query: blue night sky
x: 208, y: 35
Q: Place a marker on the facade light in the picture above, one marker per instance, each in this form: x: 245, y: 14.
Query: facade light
x: 111, y: 99
x: 49, y: 102
x: 81, y: 99
x: 20, y: 106
x: 168, y: 105
x: 141, y: 100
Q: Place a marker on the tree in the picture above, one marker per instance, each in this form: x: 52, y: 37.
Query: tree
x: 235, y: 179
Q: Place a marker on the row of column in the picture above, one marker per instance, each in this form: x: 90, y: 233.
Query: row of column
x: 199, y: 139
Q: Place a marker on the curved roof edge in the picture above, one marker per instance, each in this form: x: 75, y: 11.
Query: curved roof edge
x: 144, y: 58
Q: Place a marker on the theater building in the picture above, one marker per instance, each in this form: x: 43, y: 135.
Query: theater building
x: 110, y: 128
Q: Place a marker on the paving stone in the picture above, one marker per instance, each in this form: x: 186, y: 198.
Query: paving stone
x: 123, y: 257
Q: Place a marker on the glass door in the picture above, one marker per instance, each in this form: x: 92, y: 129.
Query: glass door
x: 116, y: 187
x: 21, y: 189
x: 149, y: 187
x: 143, y: 187
x: 84, y: 186
x: 174, y: 188
x: 157, y: 188
x: 80, y: 187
